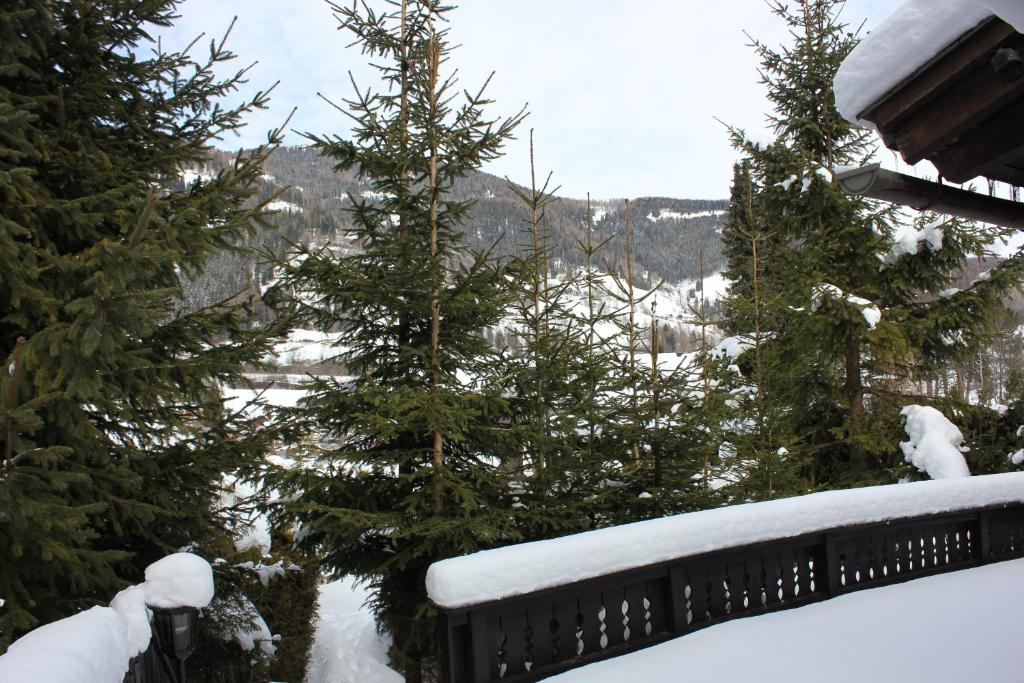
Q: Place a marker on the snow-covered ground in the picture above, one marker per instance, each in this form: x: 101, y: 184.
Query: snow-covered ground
x: 347, y: 647
x: 950, y: 628
x: 675, y: 305
x: 306, y: 346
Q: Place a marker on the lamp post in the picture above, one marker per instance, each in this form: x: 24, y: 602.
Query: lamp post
x: 175, y: 631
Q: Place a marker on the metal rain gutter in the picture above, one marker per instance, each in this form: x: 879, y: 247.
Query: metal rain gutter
x: 874, y: 182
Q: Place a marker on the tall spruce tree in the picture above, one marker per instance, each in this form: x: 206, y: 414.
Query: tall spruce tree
x: 841, y: 309
x: 405, y: 473
x: 543, y: 442
x: 115, y: 436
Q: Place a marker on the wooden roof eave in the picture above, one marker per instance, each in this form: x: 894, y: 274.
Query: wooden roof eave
x: 959, y: 111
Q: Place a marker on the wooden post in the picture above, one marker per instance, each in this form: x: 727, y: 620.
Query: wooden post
x: 478, y: 643
x: 835, y: 586
x: 983, y: 543
x: 676, y: 603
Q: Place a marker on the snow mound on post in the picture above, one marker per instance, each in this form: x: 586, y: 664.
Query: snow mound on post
x: 179, y: 580
x: 935, y: 445
x: 906, y: 41
x: 515, y: 570
x: 95, y: 646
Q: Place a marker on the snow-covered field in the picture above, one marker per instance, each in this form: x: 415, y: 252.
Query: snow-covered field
x: 951, y: 628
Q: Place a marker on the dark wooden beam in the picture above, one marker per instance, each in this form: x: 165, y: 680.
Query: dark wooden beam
x: 967, y: 104
x: 925, y: 195
x: 917, y: 90
x: 999, y: 141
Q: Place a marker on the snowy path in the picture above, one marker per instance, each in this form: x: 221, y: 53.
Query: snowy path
x: 347, y: 647
x: 951, y: 628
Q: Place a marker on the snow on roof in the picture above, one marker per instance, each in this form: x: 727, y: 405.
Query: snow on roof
x: 527, y: 567
x: 906, y: 41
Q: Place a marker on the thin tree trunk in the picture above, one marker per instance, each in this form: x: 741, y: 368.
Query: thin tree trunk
x: 591, y: 332
x: 539, y: 324
x: 435, y: 302
x: 656, y: 441
x: 12, y: 402
x: 631, y: 337
x: 704, y: 357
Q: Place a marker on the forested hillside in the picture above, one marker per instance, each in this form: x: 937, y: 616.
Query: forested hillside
x: 670, y: 235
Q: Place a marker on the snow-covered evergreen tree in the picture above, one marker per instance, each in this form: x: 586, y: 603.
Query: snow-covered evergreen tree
x: 115, y: 437
x: 406, y: 473
x: 850, y: 297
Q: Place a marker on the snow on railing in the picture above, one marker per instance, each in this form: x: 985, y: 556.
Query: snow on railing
x: 531, y: 610
x: 115, y: 644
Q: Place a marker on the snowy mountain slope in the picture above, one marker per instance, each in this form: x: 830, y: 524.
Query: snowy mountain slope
x: 671, y: 236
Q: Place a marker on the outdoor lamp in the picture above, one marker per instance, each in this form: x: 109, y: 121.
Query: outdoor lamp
x: 175, y: 630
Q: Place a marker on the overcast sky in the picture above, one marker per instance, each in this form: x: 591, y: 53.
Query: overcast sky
x: 622, y: 94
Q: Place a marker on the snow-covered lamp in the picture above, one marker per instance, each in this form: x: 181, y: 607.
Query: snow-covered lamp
x: 175, y: 628
x: 176, y: 587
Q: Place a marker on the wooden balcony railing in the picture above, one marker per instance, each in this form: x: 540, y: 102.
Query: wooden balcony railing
x: 529, y: 637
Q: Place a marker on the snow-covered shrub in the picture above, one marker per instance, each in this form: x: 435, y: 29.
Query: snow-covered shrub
x: 935, y: 445
x: 260, y: 625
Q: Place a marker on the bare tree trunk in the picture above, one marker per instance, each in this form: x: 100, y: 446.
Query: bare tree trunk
x: 539, y: 324
x: 631, y: 337
x: 656, y: 441
x: 435, y: 302
x: 591, y: 333
x: 704, y: 372
x: 12, y: 403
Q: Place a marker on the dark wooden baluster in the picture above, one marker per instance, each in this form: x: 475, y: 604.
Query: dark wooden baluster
x: 625, y: 617
x: 648, y: 624
x: 528, y: 644
x: 579, y: 629
x: 746, y: 588
x: 688, y: 594
x: 727, y: 592
x: 502, y: 650
x: 886, y: 544
x: 764, y: 584
x: 553, y: 627
x: 708, y: 597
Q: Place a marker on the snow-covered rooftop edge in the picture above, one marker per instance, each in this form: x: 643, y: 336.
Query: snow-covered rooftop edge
x: 519, y: 569
x: 915, y: 33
